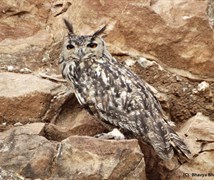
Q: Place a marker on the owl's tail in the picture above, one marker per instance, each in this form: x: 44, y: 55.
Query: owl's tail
x: 172, y: 144
x: 166, y: 143
x: 178, y: 145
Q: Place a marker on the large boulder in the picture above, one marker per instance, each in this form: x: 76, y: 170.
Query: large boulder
x: 91, y: 158
x: 25, y: 97
x: 25, y: 153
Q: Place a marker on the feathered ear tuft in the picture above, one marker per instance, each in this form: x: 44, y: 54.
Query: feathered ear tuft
x: 98, y: 32
x: 69, y: 26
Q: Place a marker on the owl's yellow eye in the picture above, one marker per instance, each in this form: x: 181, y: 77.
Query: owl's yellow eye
x: 70, y: 46
x: 92, y: 45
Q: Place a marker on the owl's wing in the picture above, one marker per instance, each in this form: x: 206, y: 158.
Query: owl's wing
x: 131, y: 105
x: 163, y: 129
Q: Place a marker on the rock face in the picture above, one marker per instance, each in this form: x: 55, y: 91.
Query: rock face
x: 176, y: 33
x: 89, y: 158
x: 24, y: 34
x: 23, y: 150
x: 199, y: 136
x: 25, y: 97
x: 43, y: 129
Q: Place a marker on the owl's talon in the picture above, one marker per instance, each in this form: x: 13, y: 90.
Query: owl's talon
x: 101, y: 135
x: 114, y: 134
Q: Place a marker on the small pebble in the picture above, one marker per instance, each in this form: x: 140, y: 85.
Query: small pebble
x: 18, y: 124
x: 10, y: 68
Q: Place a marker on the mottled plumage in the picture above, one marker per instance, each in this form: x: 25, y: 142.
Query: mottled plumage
x: 115, y: 94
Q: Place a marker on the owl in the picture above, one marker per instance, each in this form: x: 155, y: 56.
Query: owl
x: 115, y: 95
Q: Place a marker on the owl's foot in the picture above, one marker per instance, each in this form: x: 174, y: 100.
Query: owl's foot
x: 114, y: 134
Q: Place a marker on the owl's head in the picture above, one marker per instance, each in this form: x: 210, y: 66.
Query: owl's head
x: 83, y: 47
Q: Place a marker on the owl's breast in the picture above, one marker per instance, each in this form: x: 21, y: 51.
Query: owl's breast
x: 114, y: 94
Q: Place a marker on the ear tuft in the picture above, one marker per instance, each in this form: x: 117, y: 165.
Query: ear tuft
x: 98, y: 32
x: 69, y: 26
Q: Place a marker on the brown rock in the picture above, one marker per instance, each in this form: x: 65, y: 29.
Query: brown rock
x: 9, y: 175
x: 25, y: 98
x: 91, y: 158
x: 82, y: 125
x: 180, y: 38
x: 24, y: 36
x: 72, y: 120
x: 23, y: 151
x: 199, y: 134
x: 86, y: 125
x: 80, y: 122
x: 31, y: 129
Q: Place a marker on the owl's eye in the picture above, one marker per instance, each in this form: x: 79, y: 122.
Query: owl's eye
x: 70, y: 46
x: 92, y: 45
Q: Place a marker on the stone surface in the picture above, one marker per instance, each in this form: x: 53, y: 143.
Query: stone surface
x: 30, y: 129
x: 199, y: 132
x: 90, y: 158
x: 9, y: 175
x: 199, y: 135
x: 25, y: 153
x: 67, y: 125
x: 24, y: 37
x: 77, y: 120
x: 72, y: 120
x: 25, y: 97
x: 180, y: 38
x: 175, y: 33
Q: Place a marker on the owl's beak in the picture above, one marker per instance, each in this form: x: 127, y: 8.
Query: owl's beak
x: 81, y: 54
